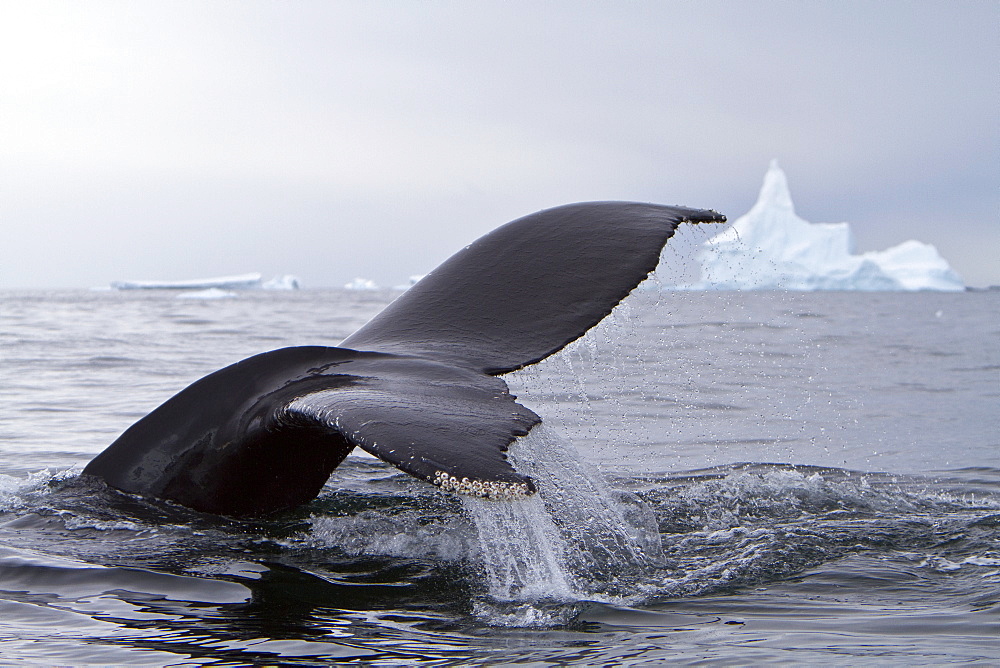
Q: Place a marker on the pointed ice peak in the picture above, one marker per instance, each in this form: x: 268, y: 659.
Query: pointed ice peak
x: 774, y: 194
x: 770, y: 248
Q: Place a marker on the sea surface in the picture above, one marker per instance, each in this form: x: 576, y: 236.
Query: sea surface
x: 725, y: 478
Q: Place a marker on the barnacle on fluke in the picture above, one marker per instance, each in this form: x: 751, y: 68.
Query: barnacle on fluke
x: 485, y: 488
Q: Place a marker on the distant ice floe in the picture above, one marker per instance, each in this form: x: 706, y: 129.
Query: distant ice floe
x: 361, y: 284
x: 409, y: 284
x: 283, y: 282
x: 252, y: 281
x: 771, y: 248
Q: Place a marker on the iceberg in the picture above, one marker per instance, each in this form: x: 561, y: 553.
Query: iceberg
x: 413, y: 280
x: 917, y: 266
x: 771, y: 248
x: 361, y: 284
x: 252, y: 281
x: 284, y: 282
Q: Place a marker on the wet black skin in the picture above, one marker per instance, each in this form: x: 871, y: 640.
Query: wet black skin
x: 417, y: 386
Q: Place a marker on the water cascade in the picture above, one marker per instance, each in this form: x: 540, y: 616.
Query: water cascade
x: 575, y: 540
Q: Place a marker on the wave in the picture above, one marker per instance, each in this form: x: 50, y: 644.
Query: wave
x: 581, y: 541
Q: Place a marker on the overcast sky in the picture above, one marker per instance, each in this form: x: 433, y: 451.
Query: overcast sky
x: 163, y: 140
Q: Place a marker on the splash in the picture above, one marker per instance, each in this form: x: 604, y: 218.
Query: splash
x: 575, y: 540
x: 408, y: 531
x: 18, y: 493
x: 523, y: 556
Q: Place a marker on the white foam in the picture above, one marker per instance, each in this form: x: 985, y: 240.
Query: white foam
x: 13, y: 490
x: 402, y: 534
x: 942, y: 565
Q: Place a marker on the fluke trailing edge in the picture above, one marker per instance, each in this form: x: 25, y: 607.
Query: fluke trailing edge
x: 417, y: 386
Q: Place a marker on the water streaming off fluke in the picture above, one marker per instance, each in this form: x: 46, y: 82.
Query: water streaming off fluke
x: 575, y: 540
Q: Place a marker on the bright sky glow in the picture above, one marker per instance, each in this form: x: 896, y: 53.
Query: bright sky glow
x: 173, y: 139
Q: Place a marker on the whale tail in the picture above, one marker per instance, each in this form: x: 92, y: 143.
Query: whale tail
x: 417, y: 386
x: 525, y: 290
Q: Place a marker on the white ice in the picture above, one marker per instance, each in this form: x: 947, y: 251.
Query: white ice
x: 252, y: 281
x: 770, y: 247
x: 413, y: 280
x: 361, y: 284
x: 284, y: 282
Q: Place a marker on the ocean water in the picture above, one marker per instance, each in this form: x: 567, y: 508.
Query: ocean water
x: 723, y: 478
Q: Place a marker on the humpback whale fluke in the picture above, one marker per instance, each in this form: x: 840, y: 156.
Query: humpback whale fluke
x: 416, y: 386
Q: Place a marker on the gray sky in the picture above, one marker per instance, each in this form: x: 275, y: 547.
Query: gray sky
x: 161, y: 140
